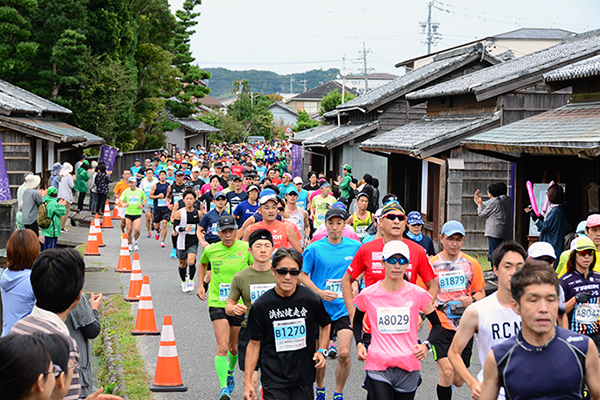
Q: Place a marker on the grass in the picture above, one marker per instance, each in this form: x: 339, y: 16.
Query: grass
x: 116, y: 315
x: 482, y: 259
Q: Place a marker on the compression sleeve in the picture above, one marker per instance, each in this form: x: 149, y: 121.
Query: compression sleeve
x: 436, y: 326
x: 176, y: 226
x: 357, y: 326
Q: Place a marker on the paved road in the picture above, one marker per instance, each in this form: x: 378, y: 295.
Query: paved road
x: 194, y: 335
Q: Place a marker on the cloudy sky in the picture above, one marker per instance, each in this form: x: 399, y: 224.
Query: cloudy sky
x: 294, y: 36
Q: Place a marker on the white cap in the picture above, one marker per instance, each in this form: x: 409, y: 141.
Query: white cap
x: 196, y: 169
x: 268, y: 197
x: 395, y: 247
x: 541, y: 249
x: 297, y: 180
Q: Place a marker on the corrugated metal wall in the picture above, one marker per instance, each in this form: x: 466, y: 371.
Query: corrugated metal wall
x: 366, y: 163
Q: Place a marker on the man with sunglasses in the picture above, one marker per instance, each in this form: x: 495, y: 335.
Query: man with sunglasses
x: 237, y: 195
x: 227, y: 257
x: 461, y: 283
x: 325, y: 279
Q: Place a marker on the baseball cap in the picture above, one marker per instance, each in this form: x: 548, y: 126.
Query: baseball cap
x: 324, y: 184
x: 395, y: 247
x: 179, y: 173
x: 541, y: 249
x: 137, y: 159
x: 378, y: 213
x: 171, y: 167
x: 593, y: 220
x: 393, y: 206
x: 266, y: 195
x: 131, y: 179
x: 291, y: 189
x: 51, y: 191
x: 196, y: 169
x: 226, y: 222
x: 452, y: 227
x: 340, y: 205
x: 236, y: 178
x: 287, y: 175
x: 362, y: 194
x: 335, y: 212
x: 347, y: 167
x: 219, y: 195
x: 584, y: 243
x: 267, y: 192
x: 184, y: 162
x: 252, y: 187
x: 581, y: 228
x: 342, y: 199
x: 297, y: 180
x: 414, y: 218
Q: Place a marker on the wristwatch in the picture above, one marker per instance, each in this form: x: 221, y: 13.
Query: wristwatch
x: 323, y: 351
x: 426, y: 343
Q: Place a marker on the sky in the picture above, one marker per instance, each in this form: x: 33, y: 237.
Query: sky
x: 295, y: 36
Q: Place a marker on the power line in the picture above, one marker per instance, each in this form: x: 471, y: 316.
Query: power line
x: 430, y: 28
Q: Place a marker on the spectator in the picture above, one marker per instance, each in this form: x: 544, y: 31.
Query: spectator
x: 20, y: 191
x: 55, y: 171
x: 26, y: 370
x: 81, y: 183
x: 376, y: 193
x: 58, y: 348
x: 92, y: 186
x: 65, y: 191
x: 494, y: 213
x: 54, y: 210
x: 78, y: 163
x: 102, y: 180
x: 17, y: 295
x: 84, y: 324
x: 414, y: 221
x: 32, y: 200
x: 508, y: 212
x: 369, y: 190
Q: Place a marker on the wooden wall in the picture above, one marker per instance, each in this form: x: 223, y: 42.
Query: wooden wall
x: 18, y: 157
x: 525, y: 103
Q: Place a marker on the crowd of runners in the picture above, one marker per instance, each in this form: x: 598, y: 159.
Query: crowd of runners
x: 295, y: 272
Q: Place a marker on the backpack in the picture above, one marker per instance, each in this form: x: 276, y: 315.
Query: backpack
x: 42, y: 217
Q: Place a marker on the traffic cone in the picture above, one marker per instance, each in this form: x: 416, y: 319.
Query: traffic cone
x: 124, y: 264
x: 167, y: 377
x: 145, y: 324
x: 106, y: 220
x: 91, y: 249
x: 116, y: 210
x: 135, y: 280
x: 98, y: 231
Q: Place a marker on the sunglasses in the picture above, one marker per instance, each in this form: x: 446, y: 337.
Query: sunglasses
x: 285, y: 271
x: 279, y: 208
x: 391, y: 200
x: 391, y: 217
x: 588, y: 252
x: 394, y: 260
x: 56, y: 370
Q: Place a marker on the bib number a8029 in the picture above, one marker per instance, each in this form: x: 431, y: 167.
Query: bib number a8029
x: 393, y: 320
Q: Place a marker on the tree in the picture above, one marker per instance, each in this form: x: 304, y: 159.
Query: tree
x: 16, y: 48
x: 304, y: 122
x: 332, y: 100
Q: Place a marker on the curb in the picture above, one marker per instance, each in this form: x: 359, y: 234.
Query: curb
x: 113, y: 362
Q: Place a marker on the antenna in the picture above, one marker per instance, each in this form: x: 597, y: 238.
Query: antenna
x: 430, y: 28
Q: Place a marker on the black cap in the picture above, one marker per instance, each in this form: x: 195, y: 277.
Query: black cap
x: 226, y: 222
x: 236, y: 178
x: 335, y: 212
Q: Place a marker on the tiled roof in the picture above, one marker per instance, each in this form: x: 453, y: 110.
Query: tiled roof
x: 317, y: 93
x: 284, y: 106
x: 13, y: 99
x: 535, y: 33
x: 209, y: 101
x: 45, y: 128
x: 431, y: 135
x: 583, y: 69
x: 374, y: 75
x: 521, y: 72
x: 571, y: 129
x: 300, y: 137
x: 194, y: 125
x: 341, y: 134
x: 413, y: 79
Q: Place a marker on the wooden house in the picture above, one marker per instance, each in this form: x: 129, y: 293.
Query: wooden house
x: 310, y: 101
x: 191, y: 133
x: 34, y: 137
x: 431, y: 172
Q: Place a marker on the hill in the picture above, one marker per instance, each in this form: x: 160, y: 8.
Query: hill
x: 266, y: 82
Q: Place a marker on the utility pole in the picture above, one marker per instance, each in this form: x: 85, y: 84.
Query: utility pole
x: 344, y: 72
x: 365, y: 69
x: 304, y: 82
x: 430, y: 29
x: 291, y: 80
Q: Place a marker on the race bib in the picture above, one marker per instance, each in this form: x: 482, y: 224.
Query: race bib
x: 393, y: 320
x: 177, y: 197
x: 258, y: 290
x: 161, y: 203
x: 361, y: 231
x: 133, y: 200
x: 334, y: 285
x: 321, y: 217
x: 192, y: 231
x: 224, y: 289
x: 452, y: 281
x: 587, y: 313
x: 290, y: 334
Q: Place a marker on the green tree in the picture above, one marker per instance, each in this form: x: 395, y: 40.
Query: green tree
x: 16, y: 48
x: 332, y: 100
x: 304, y: 122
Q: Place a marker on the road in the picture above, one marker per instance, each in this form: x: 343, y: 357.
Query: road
x: 195, y: 338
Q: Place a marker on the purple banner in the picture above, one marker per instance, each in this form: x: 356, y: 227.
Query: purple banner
x: 108, y: 155
x: 296, y: 160
x: 4, y: 184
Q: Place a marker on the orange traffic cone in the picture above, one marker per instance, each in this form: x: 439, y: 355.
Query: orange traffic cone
x: 145, y: 324
x: 124, y: 264
x: 106, y: 220
x: 91, y: 249
x: 135, y: 280
x: 116, y: 210
x: 98, y: 231
x: 168, y: 373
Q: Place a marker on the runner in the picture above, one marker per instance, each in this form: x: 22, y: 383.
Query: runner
x: 461, y: 283
x: 185, y: 228
x: 160, y: 193
x: 302, y: 194
x: 134, y: 200
x: 491, y: 320
x: 120, y: 187
x: 146, y: 185
x: 362, y: 218
x: 282, y: 325
x: 295, y: 215
x: 237, y: 195
x: 592, y: 231
x: 247, y: 207
x: 248, y: 285
x: 414, y: 219
x: 176, y: 194
x: 283, y: 234
x: 209, y: 227
x: 393, y: 357
x: 542, y: 361
x: 228, y: 257
x: 321, y: 203
x: 325, y: 279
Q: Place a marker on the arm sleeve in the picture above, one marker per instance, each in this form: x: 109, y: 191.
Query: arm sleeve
x: 91, y: 331
x: 357, y: 326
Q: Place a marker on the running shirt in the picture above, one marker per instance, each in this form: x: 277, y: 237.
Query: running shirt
x: 261, y: 171
x: 360, y: 225
x: 394, y: 318
x: 287, y: 330
x: 326, y: 271
x: 277, y: 229
x: 133, y: 200
x: 458, y: 278
x: 193, y: 219
x: 209, y: 224
x: 249, y: 284
x: 177, y: 192
x: 322, y: 205
x: 171, y: 179
x: 225, y: 262
x: 234, y: 199
x: 120, y: 187
x: 196, y: 185
x: 302, y: 201
x: 237, y: 170
x: 297, y: 219
x: 562, y: 267
x: 245, y: 210
x: 556, y: 371
x: 147, y: 186
x: 368, y: 260
x: 161, y: 204
x: 584, y: 318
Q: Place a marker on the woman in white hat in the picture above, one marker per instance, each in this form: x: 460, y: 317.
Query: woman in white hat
x: 65, y: 191
x: 32, y: 199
